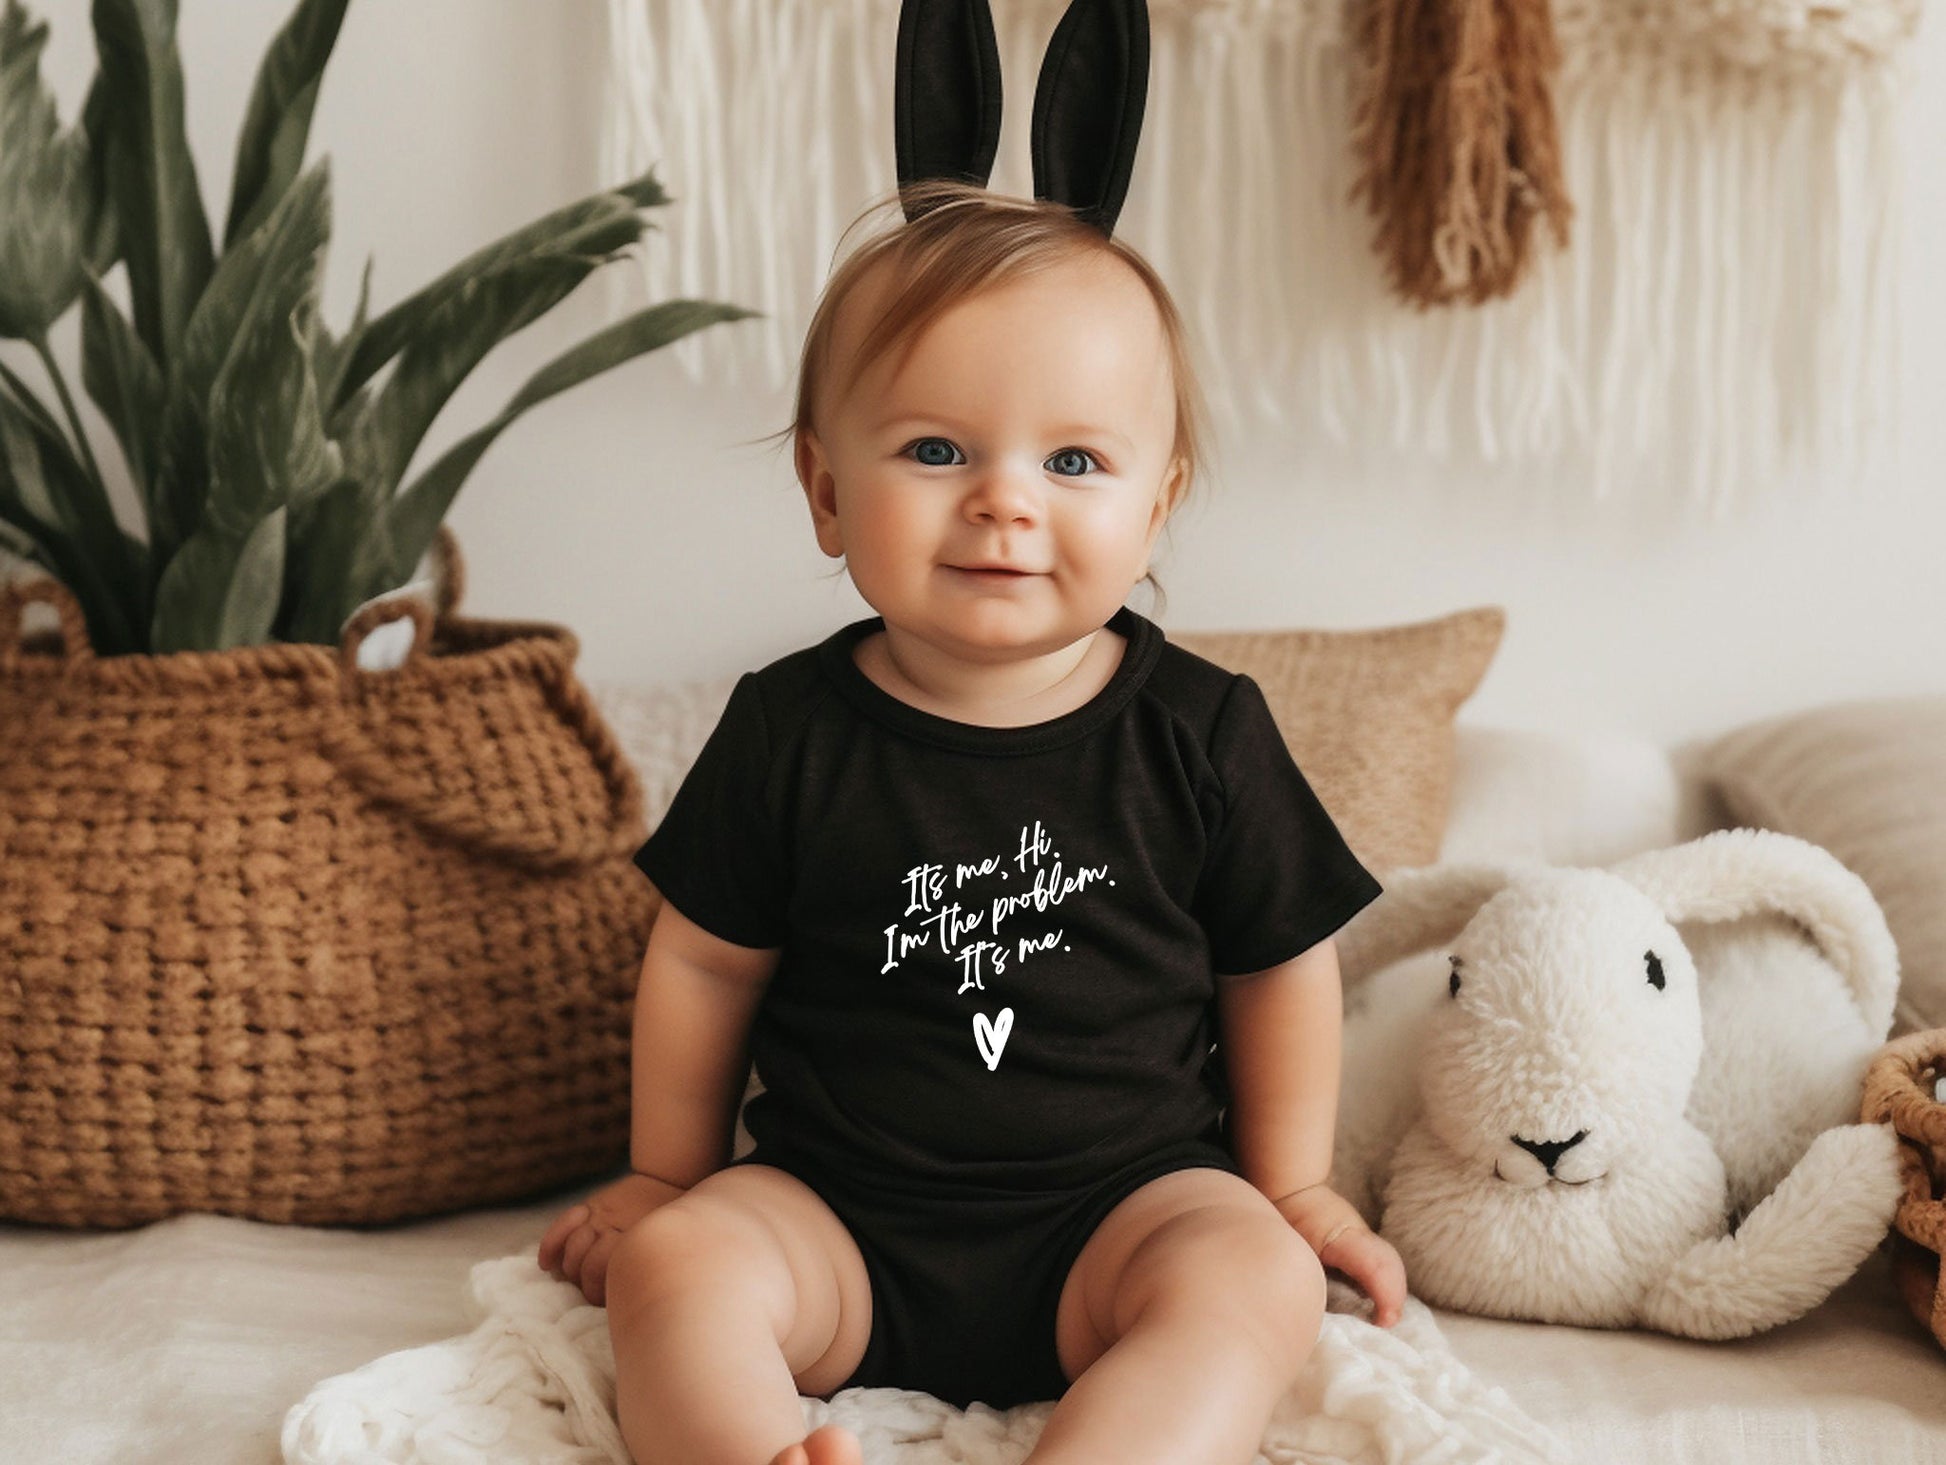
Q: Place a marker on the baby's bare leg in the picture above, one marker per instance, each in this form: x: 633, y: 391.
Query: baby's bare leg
x: 1185, y: 1319
x: 724, y: 1306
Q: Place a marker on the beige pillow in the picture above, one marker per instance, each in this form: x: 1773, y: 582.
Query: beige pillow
x: 1368, y: 715
x: 1867, y: 781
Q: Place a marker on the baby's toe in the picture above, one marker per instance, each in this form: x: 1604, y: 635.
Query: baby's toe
x: 833, y: 1444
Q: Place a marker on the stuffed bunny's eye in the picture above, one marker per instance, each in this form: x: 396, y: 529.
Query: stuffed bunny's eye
x: 1453, y: 982
x: 1655, y: 970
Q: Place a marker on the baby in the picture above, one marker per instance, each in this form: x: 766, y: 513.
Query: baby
x: 1024, y: 914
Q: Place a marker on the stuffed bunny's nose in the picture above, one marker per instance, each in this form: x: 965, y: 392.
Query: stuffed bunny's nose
x: 1548, y: 1151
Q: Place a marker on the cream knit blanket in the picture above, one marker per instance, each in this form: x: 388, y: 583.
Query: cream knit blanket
x: 534, y: 1384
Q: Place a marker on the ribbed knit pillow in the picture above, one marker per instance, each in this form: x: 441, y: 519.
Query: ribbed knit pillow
x: 1867, y: 781
x: 1368, y: 715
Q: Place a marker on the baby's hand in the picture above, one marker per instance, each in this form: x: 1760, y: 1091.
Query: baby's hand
x: 577, y: 1246
x: 1340, y: 1237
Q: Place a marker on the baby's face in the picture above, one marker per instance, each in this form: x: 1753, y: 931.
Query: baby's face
x: 1029, y: 427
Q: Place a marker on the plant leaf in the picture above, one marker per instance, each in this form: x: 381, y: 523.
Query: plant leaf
x: 333, y: 354
x: 267, y: 445
x: 415, y: 514
x: 122, y: 378
x: 277, y: 125
x: 267, y: 451
x: 175, y: 494
x: 43, y: 491
x: 44, y: 189
x: 644, y: 192
x: 340, y: 549
x: 20, y: 459
x: 456, y: 325
x: 104, y: 245
x: 255, y: 287
x: 600, y: 223
x: 17, y: 542
x: 221, y: 589
x: 29, y: 402
x: 647, y: 330
x: 152, y: 177
x: 265, y: 429
x: 339, y: 556
x: 451, y: 342
x: 76, y: 500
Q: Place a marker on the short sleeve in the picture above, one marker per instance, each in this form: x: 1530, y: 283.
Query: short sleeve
x: 1277, y: 878
x: 718, y: 854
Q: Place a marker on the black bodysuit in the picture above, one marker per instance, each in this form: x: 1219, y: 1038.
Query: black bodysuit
x: 993, y: 1015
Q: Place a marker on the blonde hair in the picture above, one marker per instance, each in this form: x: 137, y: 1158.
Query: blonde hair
x: 967, y: 239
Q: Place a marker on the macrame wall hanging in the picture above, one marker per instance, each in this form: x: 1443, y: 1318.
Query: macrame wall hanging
x: 1360, y: 206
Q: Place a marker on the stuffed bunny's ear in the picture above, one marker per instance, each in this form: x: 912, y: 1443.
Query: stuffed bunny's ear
x: 1088, y: 104
x: 1732, y: 873
x: 946, y: 93
x: 1421, y: 909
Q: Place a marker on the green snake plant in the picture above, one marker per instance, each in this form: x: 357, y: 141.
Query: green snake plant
x: 267, y: 455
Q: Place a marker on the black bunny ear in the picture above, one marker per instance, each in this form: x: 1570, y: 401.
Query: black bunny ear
x: 1088, y: 106
x: 946, y: 93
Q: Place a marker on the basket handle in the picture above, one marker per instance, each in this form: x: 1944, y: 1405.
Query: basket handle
x: 449, y: 570
x: 45, y: 590
x: 371, y: 617
x: 449, y: 581
x: 1892, y: 1091
x: 370, y: 766
x: 1894, y: 1094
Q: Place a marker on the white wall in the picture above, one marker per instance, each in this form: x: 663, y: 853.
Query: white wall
x: 631, y: 511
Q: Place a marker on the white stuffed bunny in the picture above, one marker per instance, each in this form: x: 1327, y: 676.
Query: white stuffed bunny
x: 1583, y: 1114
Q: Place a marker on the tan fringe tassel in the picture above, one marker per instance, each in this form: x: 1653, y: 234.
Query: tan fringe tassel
x: 1456, y: 141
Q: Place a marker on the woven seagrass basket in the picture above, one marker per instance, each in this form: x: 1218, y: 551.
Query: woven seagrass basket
x: 1900, y: 1089
x: 288, y: 939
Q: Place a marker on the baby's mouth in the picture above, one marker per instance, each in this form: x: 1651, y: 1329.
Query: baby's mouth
x: 990, y: 574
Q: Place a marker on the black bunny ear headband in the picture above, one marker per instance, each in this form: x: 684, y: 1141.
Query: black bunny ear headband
x: 1087, y: 103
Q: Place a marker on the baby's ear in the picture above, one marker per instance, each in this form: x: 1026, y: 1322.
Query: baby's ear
x: 820, y: 493
x: 1174, y: 485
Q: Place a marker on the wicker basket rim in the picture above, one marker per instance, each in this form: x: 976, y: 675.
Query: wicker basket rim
x: 64, y: 652
x: 1901, y: 1061
x: 462, y: 648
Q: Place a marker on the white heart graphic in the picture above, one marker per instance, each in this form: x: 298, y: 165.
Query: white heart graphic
x: 991, y: 1035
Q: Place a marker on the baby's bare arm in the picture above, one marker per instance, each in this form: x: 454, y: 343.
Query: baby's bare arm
x: 1281, y: 1031
x: 694, y: 1004
x: 693, y: 1009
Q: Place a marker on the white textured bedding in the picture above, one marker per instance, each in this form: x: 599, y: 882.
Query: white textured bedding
x: 189, y: 1340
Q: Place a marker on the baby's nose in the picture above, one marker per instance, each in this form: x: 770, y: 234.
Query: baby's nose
x: 1001, y: 494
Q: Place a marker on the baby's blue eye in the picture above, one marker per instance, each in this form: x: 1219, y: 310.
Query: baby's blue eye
x: 927, y: 442
x: 1081, y: 453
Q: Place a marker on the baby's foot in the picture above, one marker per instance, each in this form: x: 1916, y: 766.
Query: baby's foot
x: 828, y: 1444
